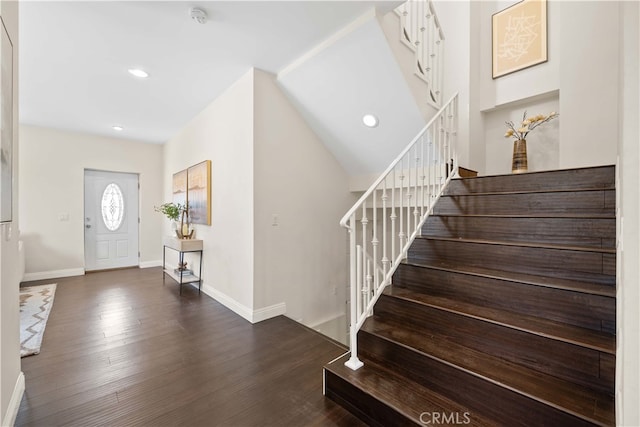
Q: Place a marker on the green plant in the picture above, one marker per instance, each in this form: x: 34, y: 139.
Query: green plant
x: 170, y: 210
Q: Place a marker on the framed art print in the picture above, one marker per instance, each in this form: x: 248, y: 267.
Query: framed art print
x: 519, y: 37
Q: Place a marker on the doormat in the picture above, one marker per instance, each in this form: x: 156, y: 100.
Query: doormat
x: 35, y: 305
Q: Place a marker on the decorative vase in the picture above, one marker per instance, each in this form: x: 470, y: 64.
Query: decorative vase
x: 185, y: 230
x: 519, y: 161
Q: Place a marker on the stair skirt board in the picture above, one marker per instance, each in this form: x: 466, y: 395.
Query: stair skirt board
x: 504, y: 312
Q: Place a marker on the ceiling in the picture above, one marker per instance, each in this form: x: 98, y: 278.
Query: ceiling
x: 74, y: 57
x: 356, y: 75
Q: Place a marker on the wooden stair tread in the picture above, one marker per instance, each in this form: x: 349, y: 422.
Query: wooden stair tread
x: 588, y: 338
x: 590, y: 405
x: 530, y: 279
x: 522, y: 244
x: 544, y: 172
x: 536, y: 191
x: 568, y: 215
x: 575, y: 179
x: 398, y: 392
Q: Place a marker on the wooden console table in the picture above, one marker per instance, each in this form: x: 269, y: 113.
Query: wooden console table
x: 182, y: 246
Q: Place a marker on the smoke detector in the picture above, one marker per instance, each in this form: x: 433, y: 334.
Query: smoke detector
x: 198, y: 15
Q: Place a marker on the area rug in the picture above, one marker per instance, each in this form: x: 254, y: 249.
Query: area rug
x: 35, y: 305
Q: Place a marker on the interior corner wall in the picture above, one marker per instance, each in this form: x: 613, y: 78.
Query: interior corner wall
x: 477, y: 152
x: 52, y: 165
x: 628, y: 290
x: 10, y: 375
x: 582, y: 67
x: 301, y: 193
x: 589, y: 74
x: 455, y: 19
x: 222, y: 133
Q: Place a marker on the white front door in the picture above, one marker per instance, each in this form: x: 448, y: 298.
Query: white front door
x: 110, y: 220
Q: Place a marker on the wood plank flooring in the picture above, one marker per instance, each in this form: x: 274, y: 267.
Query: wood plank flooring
x: 122, y: 348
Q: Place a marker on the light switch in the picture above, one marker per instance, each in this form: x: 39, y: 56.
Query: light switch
x: 274, y: 220
x: 63, y: 216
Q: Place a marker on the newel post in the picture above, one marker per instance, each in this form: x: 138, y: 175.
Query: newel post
x: 353, y: 363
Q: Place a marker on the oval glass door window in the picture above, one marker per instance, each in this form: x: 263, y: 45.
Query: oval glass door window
x: 112, y: 207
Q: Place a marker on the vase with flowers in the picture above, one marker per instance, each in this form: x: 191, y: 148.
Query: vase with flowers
x: 519, y: 162
x: 175, y: 211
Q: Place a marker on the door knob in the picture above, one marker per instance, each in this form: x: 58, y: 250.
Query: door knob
x: 88, y: 225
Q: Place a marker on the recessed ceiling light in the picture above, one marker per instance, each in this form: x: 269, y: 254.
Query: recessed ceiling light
x: 138, y: 73
x: 118, y: 128
x: 370, y: 120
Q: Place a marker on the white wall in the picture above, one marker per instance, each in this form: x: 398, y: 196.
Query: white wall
x: 11, y: 379
x: 303, y: 259
x: 454, y: 17
x: 52, y: 165
x: 266, y: 163
x: 628, y: 297
x: 223, y: 133
x: 589, y: 73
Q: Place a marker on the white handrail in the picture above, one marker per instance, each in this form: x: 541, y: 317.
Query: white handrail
x: 419, y: 174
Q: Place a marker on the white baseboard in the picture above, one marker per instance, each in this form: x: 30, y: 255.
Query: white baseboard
x: 253, y: 316
x: 14, y: 404
x: 149, y: 264
x: 265, y: 313
x: 43, y: 275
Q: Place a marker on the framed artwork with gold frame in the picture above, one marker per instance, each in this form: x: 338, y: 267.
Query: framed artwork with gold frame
x: 519, y: 37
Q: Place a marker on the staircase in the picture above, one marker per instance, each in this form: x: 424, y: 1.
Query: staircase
x: 503, y: 313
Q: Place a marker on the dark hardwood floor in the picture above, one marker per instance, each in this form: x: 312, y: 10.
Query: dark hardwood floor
x: 122, y: 349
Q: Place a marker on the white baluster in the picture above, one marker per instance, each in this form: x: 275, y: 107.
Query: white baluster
x: 410, y: 194
x: 367, y: 289
x: 416, y: 212
x: 393, y: 215
x: 374, y: 239
x: 433, y: 163
x: 385, y: 260
x: 359, y: 281
x: 422, y: 175
x: 364, y: 221
x: 401, y: 216
x: 454, y: 108
x: 354, y: 363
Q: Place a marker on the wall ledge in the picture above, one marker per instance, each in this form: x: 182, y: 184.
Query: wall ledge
x: 518, y: 103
